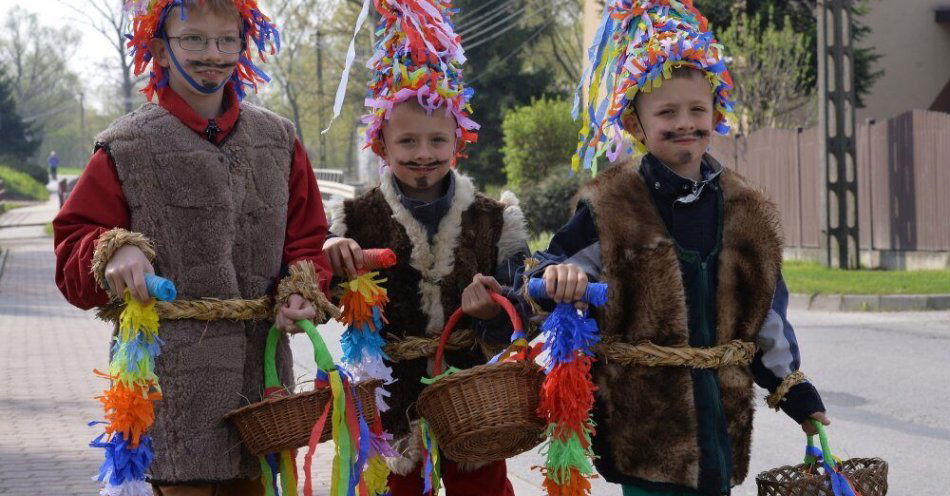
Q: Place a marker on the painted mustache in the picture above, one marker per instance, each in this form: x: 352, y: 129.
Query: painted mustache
x: 208, y: 65
x: 698, y: 134
x: 428, y: 165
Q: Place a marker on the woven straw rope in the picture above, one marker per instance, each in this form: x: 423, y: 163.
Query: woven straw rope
x: 652, y: 355
x: 791, y: 380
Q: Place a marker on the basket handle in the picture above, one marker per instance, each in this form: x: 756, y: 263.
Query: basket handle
x: 321, y: 353
x: 517, y: 327
x: 811, y: 454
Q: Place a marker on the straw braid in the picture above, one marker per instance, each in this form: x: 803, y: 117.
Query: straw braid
x: 413, y: 347
x: 303, y: 281
x: 109, y: 242
x: 204, y: 309
x: 652, y: 355
x: 790, y: 381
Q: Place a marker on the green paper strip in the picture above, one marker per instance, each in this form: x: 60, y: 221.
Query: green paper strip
x: 450, y: 371
x: 266, y: 477
x: 341, y: 436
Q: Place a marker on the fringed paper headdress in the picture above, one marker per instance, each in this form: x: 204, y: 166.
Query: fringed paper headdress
x: 637, y: 46
x: 418, y: 56
x: 148, y: 22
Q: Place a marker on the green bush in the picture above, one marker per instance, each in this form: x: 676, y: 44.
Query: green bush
x: 20, y: 186
x: 549, y: 205
x: 539, y: 139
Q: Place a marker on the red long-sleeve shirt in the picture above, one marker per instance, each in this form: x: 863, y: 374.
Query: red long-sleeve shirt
x: 97, y: 204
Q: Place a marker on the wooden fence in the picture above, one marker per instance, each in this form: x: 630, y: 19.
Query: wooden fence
x: 903, y: 167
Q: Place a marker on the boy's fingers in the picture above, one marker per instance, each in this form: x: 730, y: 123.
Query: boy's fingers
x: 116, y: 285
x: 357, y: 253
x: 346, y: 257
x: 550, y: 280
x: 566, y: 286
x: 334, y: 258
x: 295, y: 314
x: 489, y: 283
x: 139, y: 290
x: 581, y: 286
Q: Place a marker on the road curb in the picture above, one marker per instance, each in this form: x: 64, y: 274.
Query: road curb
x: 869, y: 303
x: 3, y: 259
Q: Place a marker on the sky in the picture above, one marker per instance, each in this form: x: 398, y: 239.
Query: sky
x: 53, y: 13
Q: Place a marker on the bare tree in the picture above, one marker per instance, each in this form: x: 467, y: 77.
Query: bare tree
x: 35, y: 60
x: 296, y: 30
x: 112, y: 21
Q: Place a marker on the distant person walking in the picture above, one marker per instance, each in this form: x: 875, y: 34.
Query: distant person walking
x: 53, y: 161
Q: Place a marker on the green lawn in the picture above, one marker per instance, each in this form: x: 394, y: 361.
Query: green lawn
x: 540, y: 242
x: 21, y: 186
x: 69, y: 171
x: 811, y: 278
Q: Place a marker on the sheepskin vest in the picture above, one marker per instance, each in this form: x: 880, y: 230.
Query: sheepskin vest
x: 426, y: 285
x: 648, y: 426
x: 217, y: 215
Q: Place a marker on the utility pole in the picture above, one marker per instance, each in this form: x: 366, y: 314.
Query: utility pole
x: 320, y: 94
x: 836, y: 97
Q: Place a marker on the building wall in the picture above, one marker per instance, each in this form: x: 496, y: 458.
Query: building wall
x: 915, y: 53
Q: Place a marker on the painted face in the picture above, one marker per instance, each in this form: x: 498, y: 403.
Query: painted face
x: 675, y: 120
x: 209, y: 66
x: 420, y: 148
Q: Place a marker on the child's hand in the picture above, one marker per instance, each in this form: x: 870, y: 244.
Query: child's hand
x: 810, y: 429
x: 127, y: 269
x: 296, y: 308
x: 476, y: 299
x: 566, y: 283
x: 346, y: 256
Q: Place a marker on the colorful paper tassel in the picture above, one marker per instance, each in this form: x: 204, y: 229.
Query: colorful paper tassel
x: 129, y: 402
x: 567, y: 394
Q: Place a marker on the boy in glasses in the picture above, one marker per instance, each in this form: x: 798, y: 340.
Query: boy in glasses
x: 225, y: 193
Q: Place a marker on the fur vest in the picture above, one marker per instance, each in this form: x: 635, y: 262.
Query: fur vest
x: 426, y: 285
x: 648, y: 422
x: 217, y: 215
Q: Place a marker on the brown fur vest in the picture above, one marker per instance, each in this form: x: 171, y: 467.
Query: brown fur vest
x: 650, y: 411
x: 426, y: 286
x: 217, y: 216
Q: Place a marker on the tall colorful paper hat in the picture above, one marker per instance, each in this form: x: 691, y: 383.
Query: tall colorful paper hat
x: 637, y: 46
x: 419, y: 56
x: 148, y: 22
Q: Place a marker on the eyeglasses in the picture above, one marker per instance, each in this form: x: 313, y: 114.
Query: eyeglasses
x: 198, y: 43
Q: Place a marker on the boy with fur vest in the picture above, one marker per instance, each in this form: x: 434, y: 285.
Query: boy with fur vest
x: 453, y: 244
x: 217, y: 195
x: 692, y: 254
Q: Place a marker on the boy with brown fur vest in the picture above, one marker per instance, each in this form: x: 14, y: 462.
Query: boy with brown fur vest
x: 217, y: 195
x: 453, y: 244
x: 692, y: 254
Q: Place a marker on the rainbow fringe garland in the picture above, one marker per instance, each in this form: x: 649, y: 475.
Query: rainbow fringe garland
x: 129, y: 403
x: 418, y: 56
x: 362, y: 311
x: 636, y: 47
x: 567, y: 397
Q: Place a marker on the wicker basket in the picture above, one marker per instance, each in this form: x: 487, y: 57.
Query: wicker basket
x: 487, y: 412
x: 867, y: 475
x: 281, y: 423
